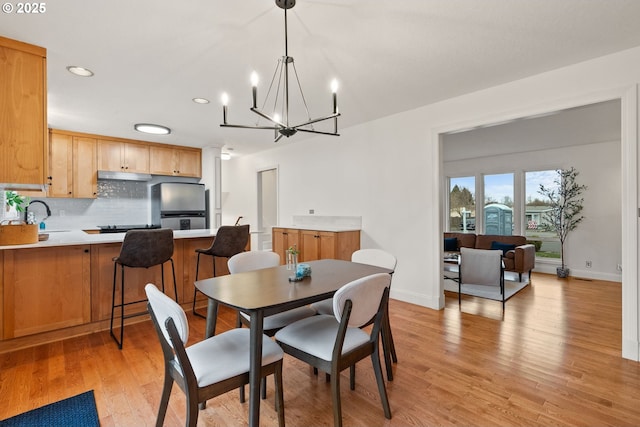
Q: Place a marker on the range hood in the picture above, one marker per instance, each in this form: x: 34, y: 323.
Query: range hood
x: 11, y: 186
x: 123, y: 176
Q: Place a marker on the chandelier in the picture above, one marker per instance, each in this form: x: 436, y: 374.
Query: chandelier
x: 278, y: 117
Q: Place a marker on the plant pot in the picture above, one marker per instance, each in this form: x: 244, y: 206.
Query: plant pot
x: 562, y: 272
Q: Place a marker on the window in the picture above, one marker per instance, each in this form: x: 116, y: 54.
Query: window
x: 498, y: 204
x: 537, y: 228
x: 462, y: 204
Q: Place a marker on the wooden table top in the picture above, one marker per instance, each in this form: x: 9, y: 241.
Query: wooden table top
x: 270, y: 289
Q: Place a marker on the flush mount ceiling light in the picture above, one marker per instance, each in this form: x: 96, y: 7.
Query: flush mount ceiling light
x: 279, y: 116
x: 225, y: 156
x: 79, y: 71
x: 151, y: 128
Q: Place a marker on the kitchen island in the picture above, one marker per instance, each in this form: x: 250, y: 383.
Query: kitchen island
x: 62, y: 287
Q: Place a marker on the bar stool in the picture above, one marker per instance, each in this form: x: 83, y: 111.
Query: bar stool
x: 229, y: 241
x: 140, y: 249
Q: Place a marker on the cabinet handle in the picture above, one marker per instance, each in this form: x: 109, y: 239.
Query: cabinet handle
x: 86, y: 251
x: 49, y: 177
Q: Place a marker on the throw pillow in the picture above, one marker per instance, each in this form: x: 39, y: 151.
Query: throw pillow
x: 450, y: 244
x: 504, y: 247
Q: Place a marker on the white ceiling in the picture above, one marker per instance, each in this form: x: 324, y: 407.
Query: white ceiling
x: 589, y: 124
x: 151, y: 57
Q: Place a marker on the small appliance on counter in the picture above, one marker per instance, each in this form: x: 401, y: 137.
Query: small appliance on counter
x: 178, y: 205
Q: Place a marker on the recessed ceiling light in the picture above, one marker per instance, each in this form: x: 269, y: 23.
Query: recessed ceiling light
x: 79, y: 71
x: 151, y: 128
x: 225, y: 156
x: 201, y: 100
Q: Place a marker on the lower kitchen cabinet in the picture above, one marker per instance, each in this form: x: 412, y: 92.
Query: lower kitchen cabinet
x: 283, y: 239
x: 135, y: 280
x: 45, y: 289
x: 58, y: 291
x: 315, y: 244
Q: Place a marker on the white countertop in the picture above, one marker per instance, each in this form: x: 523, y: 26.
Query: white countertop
x: 79, y: 237
x: 332, y: 228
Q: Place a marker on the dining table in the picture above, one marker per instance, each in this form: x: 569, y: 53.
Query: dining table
x: 264, y: 292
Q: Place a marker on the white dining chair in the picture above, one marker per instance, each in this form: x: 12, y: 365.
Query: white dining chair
x: 379, y: 258
x: 207, y: 368
x: 257, y: 260
x: 332, y: 343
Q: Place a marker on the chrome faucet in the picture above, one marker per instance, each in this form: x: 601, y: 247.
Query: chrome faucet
x: 26, y: 210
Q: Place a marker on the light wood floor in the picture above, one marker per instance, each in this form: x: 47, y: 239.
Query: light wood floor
x: 552, y: 359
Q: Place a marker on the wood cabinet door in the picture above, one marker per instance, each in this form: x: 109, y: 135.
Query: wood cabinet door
x: 136, y: 158
x: 60, y: 165
x: 327, y: 243
x: 161, y: 161
x: 46, y: 289
x: 282, y: 239
x: 110, y: 156
x: 85, y: 176
x: 189, y: 163
x: 23, y: 124
x: 310, y: 245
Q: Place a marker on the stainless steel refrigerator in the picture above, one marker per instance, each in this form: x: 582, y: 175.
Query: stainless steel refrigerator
x: 178, y: 205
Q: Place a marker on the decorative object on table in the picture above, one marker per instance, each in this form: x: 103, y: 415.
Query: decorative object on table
x: 281, y: 100
x: 303, y: 270
x: 292, y: 258
x: 566, y: 203
x: 16, y: 232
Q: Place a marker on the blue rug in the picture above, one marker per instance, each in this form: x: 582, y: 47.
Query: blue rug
x: 76, y: 411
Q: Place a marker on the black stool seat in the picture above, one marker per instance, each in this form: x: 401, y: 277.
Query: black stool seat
x: 229, y: 241
x: 140, y: 249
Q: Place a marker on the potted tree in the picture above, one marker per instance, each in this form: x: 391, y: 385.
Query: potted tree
x: 565, y: 213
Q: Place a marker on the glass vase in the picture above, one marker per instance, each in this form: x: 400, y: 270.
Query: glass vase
x: 292, y: 261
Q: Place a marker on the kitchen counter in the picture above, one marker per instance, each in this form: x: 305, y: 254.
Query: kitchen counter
x: 80, y: 237
x: 329, y: 228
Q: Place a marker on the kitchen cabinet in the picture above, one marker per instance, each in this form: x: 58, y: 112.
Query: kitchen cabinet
x: 328, y: 244
x: 282, y: 239
x: 23, y: 121
x: 72, y: 166
x: 45, y: 289
x: 175, y: 161
x: 121, y: 156
x: 315, y: 244
x: 134, y: 281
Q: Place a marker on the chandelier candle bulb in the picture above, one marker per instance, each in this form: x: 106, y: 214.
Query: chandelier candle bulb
x: 254, y: 84
x: 225, y: 101
x: 334, y: 89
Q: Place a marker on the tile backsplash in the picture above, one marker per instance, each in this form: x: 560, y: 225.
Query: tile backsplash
x: 118, y: 202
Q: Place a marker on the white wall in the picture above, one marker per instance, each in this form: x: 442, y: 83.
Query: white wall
x: 599, y: 236
x: 388, y: 171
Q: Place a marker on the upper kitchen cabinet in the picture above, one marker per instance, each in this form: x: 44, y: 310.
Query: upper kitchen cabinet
x: 120, y: 156
x: 176, y: 161
x: 72, y: 165
x: 23, y: 115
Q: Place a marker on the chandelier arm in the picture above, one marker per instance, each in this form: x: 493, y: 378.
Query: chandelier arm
x: 334, y: 115
x: 226, y: 125
x: 318, y: 132
x: 304, y: 100
x: 266, y: 116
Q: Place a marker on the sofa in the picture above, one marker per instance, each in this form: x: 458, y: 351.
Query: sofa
x: 518, y: 255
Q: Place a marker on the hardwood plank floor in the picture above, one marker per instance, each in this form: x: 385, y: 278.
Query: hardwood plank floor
x: 553, y: 358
